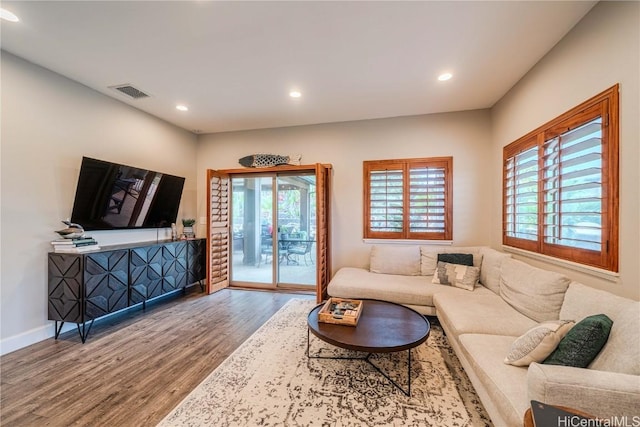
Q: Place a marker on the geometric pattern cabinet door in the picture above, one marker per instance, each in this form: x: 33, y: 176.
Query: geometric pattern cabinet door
x: 106, y: 280
x: 145, y: 269
x: 65, y: 287
x: 84, y: 287
x: 196, y: 260
x: 174, y: 266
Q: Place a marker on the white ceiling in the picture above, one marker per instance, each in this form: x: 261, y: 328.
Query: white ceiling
x: 234, y: 63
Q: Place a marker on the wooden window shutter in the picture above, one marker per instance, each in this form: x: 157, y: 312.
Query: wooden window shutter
x: 218, y: 231
x: 430, y: 212
x: 408, y: 199
x: 384, y: 200
x: 561, y: 185
x: 323, y: 227
x: 521, y: 196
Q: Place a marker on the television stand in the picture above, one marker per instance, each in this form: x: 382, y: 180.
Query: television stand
x: 86, y: 286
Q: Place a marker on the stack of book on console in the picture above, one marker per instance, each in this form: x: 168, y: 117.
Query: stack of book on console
x: 75, y: 245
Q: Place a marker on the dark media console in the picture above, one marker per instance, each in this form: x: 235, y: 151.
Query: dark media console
x: 86, y: 286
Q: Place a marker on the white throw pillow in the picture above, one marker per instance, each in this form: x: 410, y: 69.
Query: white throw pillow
x: 403, y: 260
x: 460, y: 276
x: 538, y: 342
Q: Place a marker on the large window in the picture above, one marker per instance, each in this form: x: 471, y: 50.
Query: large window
x: 561, y: 186
x: 408, y: 199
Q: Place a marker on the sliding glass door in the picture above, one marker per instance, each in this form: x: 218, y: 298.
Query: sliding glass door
x: 296, y: 215
x: 273, y: 230
x: 251, y: 228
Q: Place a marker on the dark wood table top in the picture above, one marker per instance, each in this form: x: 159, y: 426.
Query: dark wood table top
x: 383, y: 327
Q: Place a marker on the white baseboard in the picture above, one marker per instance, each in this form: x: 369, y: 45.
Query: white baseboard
x: 32, y: 336
x: 44, y: 332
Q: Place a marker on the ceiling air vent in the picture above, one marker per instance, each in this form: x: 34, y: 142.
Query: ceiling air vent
x: 130, y: 91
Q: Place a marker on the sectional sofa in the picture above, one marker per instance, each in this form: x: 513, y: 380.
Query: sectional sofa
x: 510, y: 299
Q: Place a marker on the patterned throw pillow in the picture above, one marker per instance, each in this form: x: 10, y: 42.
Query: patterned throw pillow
x: 460, y: 276
x: 538, y: 342
x: 583, y: 342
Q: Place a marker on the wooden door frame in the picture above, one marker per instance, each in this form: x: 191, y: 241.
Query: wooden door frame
x: 323, y: 246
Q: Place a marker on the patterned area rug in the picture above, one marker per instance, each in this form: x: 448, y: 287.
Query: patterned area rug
x: 269, y: 381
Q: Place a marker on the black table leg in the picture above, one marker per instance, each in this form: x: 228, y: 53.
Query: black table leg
x: 405, y: 392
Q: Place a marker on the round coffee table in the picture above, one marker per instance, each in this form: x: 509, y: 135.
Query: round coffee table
x: 383, y: 327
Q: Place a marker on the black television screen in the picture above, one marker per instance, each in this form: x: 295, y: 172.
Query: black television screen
x: 114, y: 196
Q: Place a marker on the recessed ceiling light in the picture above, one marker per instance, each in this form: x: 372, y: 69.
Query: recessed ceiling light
x: 295, y: 94
x: 444, y: 77
x: 8, y: 16
x: 182, y: 107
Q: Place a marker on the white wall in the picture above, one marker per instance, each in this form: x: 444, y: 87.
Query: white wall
x: 48, y: 123
x: 603, y: 49
x: 464, y: 135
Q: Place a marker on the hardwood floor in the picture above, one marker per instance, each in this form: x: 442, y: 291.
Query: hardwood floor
x: 134, y: 368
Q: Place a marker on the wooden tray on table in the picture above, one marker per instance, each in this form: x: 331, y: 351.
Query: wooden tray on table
x: 341, y: 311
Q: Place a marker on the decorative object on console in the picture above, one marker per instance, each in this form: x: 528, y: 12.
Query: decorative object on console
x: 538, y: 342
x: 583, y: 342
x: 72, y: 231
x: 187, y: 228
x: 75, y: 246
x: 268, y: 160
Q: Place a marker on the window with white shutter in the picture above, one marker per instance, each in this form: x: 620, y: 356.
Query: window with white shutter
x: 561, y: 186
x: 408, y: 199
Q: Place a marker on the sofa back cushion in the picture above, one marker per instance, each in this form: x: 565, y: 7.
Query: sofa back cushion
x: 403, y: 260
x: 429, y: 256
x: 621, y: 352
x: 534, y: 292
x: 491, y: 267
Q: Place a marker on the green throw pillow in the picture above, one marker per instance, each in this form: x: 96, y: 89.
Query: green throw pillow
x: 583, y: 342
x: 461, y: 259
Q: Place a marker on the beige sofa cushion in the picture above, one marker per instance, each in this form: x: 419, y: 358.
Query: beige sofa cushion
x: 622, y: 351
x: 534, y: 292
x: 506, y: 384
x: 491, y: 267
x: 581, y: 301
x: 402, y: 260
x: 480, y: 312
x: 429, y: 256
x: 351, y: 282
x: 599, y: 393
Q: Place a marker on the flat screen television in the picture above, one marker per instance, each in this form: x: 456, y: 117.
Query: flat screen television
x: 114, y: 196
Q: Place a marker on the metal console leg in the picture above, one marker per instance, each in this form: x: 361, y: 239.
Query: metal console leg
x: 85, y: 331
x: 58, y: 330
